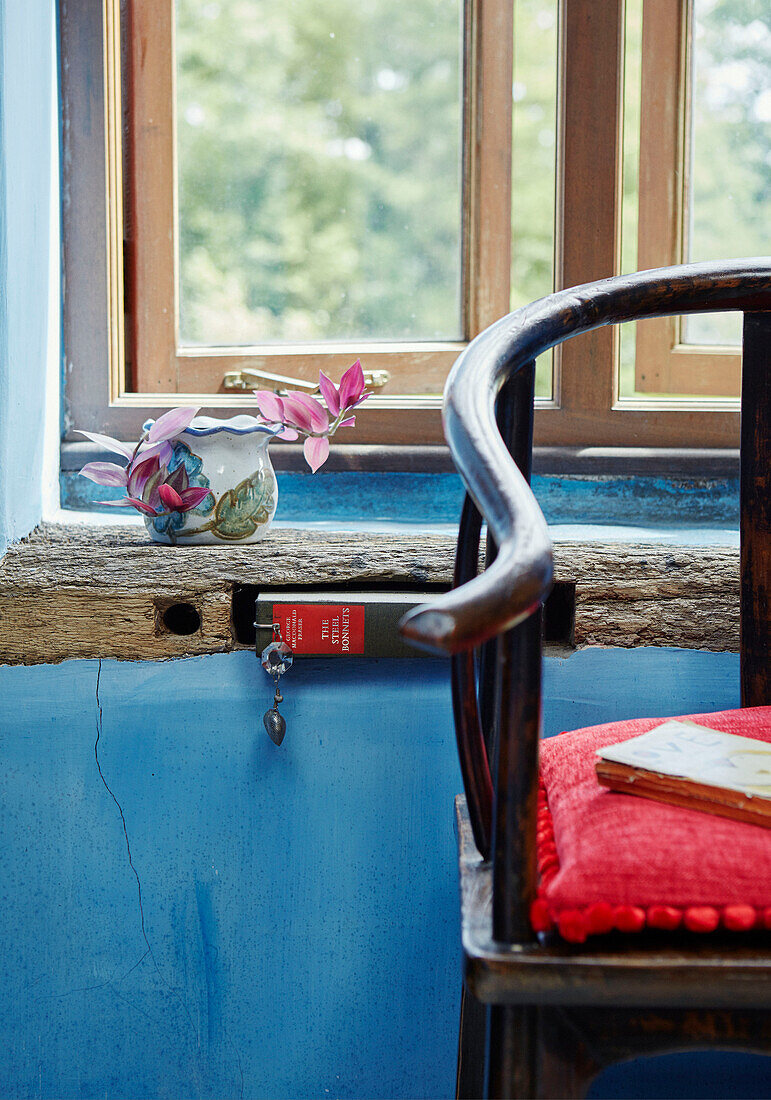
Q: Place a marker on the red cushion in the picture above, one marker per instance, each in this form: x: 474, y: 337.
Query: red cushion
x: 616, y: 861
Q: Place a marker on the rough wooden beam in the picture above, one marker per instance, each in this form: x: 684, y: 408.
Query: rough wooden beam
x: 95, y: 591
x: 79, y: 591
x: 632, y: 595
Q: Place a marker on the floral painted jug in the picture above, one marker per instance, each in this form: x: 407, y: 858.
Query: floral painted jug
x: 195, y: 479
x: 230, y: 458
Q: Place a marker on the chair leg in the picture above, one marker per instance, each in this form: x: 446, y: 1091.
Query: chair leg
x: 470, y: 1080
x: 535, y: 1054
x: 567, y: 1063
x: 554, y: 1052
x: 511, y: 1053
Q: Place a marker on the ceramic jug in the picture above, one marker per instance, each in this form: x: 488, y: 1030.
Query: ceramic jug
x: 231, y: 458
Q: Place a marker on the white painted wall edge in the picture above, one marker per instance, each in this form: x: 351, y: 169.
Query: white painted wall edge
x: 52, y: 386
x: 28, y: 326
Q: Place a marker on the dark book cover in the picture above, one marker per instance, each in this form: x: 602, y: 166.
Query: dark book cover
x: 338, y: 624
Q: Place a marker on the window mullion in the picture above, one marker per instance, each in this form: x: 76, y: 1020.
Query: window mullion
x: 589, y: 192
x: 152, y: 323
x: 659, y: 241
x: 489, y: 35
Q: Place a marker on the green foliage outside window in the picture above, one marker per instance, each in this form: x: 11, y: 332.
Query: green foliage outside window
x: 319, y: 163
x: 319, y: 170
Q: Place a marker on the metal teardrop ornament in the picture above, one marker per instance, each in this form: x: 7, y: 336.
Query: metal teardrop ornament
x: 275, y: 724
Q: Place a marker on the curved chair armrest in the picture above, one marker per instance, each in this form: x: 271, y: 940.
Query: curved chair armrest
x: 521, y: 575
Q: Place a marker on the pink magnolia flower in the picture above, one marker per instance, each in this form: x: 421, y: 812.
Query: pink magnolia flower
x: 296, y: 413
x: 173, y: 492
x: 171, y: 424
x: 346, y: 396
x: 150, y: 488
x: 304, y: 413
x: 316, y: 451
x: 351, y: 389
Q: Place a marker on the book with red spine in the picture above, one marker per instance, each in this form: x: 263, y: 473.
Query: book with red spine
x: 338, y: 624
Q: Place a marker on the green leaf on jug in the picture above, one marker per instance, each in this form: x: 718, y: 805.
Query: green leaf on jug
x: 242, y: 510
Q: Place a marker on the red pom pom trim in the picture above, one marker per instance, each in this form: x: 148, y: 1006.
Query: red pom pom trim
x: 540, y: 917
x: 701, y: 918
x: 601, y: 917
x: 572, y: 925
x: 629, y: 918
x: 739, y: 918
x: 666, y: 917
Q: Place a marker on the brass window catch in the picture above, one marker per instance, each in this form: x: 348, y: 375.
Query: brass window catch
x: 249, y: 379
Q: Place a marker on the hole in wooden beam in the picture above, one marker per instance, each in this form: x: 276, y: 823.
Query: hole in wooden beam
x: 179, y: 618
x: 559, y: 614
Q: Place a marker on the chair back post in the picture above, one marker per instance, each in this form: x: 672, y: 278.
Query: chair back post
x: 517, y: 711
x: 756, y: 511
x: 520, y: 447
x: 475, y: 699
x: 472, y: 750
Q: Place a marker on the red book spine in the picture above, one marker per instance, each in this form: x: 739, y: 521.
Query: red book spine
x: 323, y: 629
x: 338, y: 624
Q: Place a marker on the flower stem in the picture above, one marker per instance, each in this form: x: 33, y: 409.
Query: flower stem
x: 142, y: 439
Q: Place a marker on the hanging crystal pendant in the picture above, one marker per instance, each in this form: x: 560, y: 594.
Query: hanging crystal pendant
x: 276, y: 658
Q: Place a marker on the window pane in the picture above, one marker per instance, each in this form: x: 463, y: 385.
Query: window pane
x: 318, y: 170
x: 630, y: 181
x: 730, y: 152
x: 534, y: 159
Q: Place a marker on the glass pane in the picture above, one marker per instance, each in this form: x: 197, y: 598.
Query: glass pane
x: 534, y: 160
x: 730, y: 148
x: 319, y: 151
x: 630, y: 179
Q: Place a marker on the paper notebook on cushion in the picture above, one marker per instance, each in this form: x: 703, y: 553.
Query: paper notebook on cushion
x: 608, y: 863
x: 687, y: 764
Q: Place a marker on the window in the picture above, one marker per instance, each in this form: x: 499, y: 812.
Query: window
x: 380, y: 206
x: 704, y: 144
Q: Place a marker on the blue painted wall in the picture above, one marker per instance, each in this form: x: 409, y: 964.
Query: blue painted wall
x: 26, y: 76
x: 298, y: 929
x: 299, y: 904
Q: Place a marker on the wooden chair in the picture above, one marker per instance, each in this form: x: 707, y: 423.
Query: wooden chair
x: 559, y: 1013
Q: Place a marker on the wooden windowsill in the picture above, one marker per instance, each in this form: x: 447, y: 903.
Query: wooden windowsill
x: 77, y: 591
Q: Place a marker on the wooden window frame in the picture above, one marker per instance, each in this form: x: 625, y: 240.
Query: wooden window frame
x: 585, y: 407
x: 664, y: 363
x: 161, y: 364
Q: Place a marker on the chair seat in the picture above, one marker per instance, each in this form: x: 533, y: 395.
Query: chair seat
x: 657, y: 970
x: 611, y: 860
